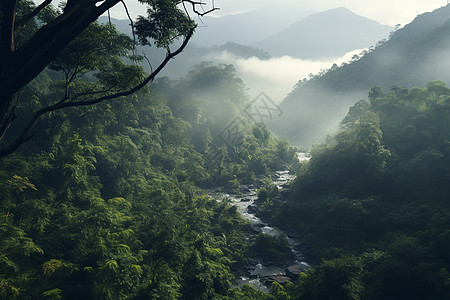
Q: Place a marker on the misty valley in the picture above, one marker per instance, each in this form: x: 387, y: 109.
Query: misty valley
x: 189, y: 155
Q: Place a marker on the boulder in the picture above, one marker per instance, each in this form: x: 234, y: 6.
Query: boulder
x: 244, y: 189
x: 252, y: 209
x: 255, y: 229
x: 294, y: 271
x: 279, y: 279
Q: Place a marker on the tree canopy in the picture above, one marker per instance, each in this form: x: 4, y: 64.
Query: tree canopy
x: 35, y: 37
x: 372, y: 202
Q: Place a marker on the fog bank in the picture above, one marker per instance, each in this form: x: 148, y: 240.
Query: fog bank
x: 277, y: 76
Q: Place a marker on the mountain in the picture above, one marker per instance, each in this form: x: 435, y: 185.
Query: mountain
x: 325, y: 35
x: 413, y: 56
x: 192, y: 55
x: 122, y: 26
x: 245, y: 28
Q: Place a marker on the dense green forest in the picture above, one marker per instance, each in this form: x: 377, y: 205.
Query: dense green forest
x: 412, y: 56
x: 372, y: 203
x: 105, y: 201
x: 110, y: 201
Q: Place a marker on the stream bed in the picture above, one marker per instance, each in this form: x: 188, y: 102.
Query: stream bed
x: 259, y: 273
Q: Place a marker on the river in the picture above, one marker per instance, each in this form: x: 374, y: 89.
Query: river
x: 259, y: 273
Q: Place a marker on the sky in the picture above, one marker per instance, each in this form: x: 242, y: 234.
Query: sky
x: 278, y: 75
x: 387, y: 12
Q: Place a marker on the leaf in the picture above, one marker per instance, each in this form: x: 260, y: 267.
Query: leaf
x: 110, y: 265
x: 137, y: 269
x: 53, y: 294
x: 21, y: 183
x: 49, y: 267
x: 88, y: 269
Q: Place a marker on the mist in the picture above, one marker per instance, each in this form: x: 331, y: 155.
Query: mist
x: 276, y: 76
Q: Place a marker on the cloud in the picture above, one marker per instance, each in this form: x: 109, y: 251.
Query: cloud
x: 277, y: 76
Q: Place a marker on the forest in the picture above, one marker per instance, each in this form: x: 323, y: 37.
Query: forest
x: 106, y: 172
x: 372, y: 204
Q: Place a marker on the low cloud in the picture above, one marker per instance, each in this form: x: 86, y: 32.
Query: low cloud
x: 277, y: 76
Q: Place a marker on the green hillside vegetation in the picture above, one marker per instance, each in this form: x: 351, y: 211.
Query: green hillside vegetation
x: 109, y: 201
x: 105, y: 202
x: 372, y: 203
x: 412, y: 56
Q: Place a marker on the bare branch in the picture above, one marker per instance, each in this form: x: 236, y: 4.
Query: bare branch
x: 130, y: 19
x: 196, y: 3
x: 26, y: 132
x: 131, y: 24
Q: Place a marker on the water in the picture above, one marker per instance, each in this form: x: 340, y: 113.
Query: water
x: 245, y: 201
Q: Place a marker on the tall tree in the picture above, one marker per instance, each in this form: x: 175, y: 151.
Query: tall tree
x: 24, y: 53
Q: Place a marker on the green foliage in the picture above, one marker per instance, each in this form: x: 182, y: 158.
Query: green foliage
x: 373, y: 200
x: 94, y: 48
x: 336, y: 279
x: 105, y: 202
x: 164, y: 24
x: 272, y: 248
x: 111, y: 208
x: 412, y: 56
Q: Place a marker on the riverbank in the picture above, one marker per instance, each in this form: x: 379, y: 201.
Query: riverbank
x: 261, y: 273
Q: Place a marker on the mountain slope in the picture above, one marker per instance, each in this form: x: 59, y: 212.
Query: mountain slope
x: 372, y: 202
x: 245, y: 28
x: 325, y: 35
x: 414, y: 55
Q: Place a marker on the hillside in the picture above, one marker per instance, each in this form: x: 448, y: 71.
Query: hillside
x: 325, y: 35
x: 414, y: 55
x: 106, y: 203
x: 372, y: 202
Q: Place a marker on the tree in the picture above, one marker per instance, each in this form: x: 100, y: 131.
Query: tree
x: 32, y: 37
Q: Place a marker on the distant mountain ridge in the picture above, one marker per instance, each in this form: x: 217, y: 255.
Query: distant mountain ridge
x: 413, y: 56
x: 192, y: 55
x: 325, y: 35
x: 244, y: 28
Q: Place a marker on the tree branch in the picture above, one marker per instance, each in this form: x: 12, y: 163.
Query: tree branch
x: 194, y: 7
x: 33, y: 56
x: 32, y: 14
x: 25, y: 134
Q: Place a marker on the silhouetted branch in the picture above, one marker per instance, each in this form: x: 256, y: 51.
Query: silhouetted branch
x: 32, y: 14
x: 196, y: 3
x: 26, y: 135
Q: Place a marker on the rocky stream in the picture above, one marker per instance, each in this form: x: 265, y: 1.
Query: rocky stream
x: 260, y: 273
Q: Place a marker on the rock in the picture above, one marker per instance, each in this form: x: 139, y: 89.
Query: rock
x: 252, y: 209
x: 294, y: 271
x: 279, y: 279
x: 256, y: 229
x: 246, y: 200
x: 244, y: 189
